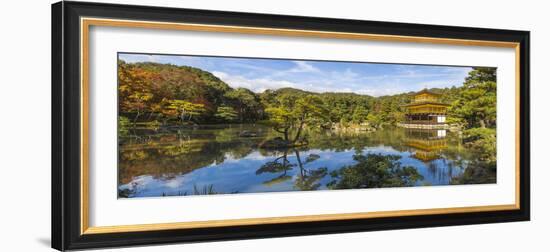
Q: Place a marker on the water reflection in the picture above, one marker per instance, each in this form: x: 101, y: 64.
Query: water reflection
x: 426, y: 144
x: 225, y: 159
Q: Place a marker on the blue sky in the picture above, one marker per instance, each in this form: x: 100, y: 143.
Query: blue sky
x: 317, y: 76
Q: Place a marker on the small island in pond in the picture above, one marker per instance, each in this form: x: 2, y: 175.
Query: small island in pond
x: 198, y: 125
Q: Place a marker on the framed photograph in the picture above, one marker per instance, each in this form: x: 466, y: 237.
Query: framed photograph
x: 180, y: 125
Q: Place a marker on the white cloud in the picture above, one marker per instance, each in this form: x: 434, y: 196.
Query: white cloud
x: 347, y: 75
x: 251, y: 67
x: 303, y: 67
x: 442, y: 83
x: 133, y: 58
x: 317, y: 77
x: 333, y: 83
x: 176, y: 182
x: 384, y: 90
x: 256, y: 85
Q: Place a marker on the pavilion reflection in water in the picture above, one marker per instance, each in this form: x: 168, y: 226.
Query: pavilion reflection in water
x: 426, y: 144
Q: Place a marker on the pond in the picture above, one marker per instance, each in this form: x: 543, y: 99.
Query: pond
x: 224, y: 159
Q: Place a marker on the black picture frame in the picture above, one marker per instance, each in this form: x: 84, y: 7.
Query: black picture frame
x: 66, y: 114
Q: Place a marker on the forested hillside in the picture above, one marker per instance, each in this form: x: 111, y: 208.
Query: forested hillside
x: 179, y: 95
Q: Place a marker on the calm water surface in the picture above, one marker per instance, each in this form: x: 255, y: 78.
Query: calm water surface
x: 226, y: 159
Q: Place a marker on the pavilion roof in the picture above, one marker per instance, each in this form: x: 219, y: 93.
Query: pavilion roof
x: 426, y: 103
x: 426, y: 91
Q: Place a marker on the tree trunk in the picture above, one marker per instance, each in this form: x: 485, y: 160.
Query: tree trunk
x: 150, y: 115
x: 298, y: 132
x: 285, y: 159
x: 482, y: 123
x: 136, y: 118
x: 300, y: 165
x: 241, y: 114
x: 283, y: 131
x: 182, y: 117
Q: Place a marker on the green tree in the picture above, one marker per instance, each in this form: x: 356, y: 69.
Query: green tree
x: 481, y: 74
x: 246, y: 102
x: 476, y: 103
x: 310, y: 110
x: 184, y: 110
x: 291, y: 113
x: 226, y: 113
x: 484, y: 142
x: 123, y: 126
x: 374, y: 119
x: 360, y: 114
x: 281, y: 119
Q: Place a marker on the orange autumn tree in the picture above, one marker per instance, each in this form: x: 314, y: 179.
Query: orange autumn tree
x: 134, y: 93
x: 151, y: 91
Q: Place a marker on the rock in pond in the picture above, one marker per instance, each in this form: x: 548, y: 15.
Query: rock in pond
x: 312, y: 157
x: 247, y: 133
x: 275, y: 143
x: 280, y: 143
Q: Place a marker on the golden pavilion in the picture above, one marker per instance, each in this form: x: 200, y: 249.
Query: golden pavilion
x: 426, y: 111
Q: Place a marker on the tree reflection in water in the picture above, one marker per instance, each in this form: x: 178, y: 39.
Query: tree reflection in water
x: 371, y: 171
x: 374, y: 171
x: 279, y: 165
x: 307, y: 179
x: 222, y: 160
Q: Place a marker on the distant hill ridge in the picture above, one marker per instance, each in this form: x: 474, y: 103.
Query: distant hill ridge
x: 209, y: 79
x: 144, y: 87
